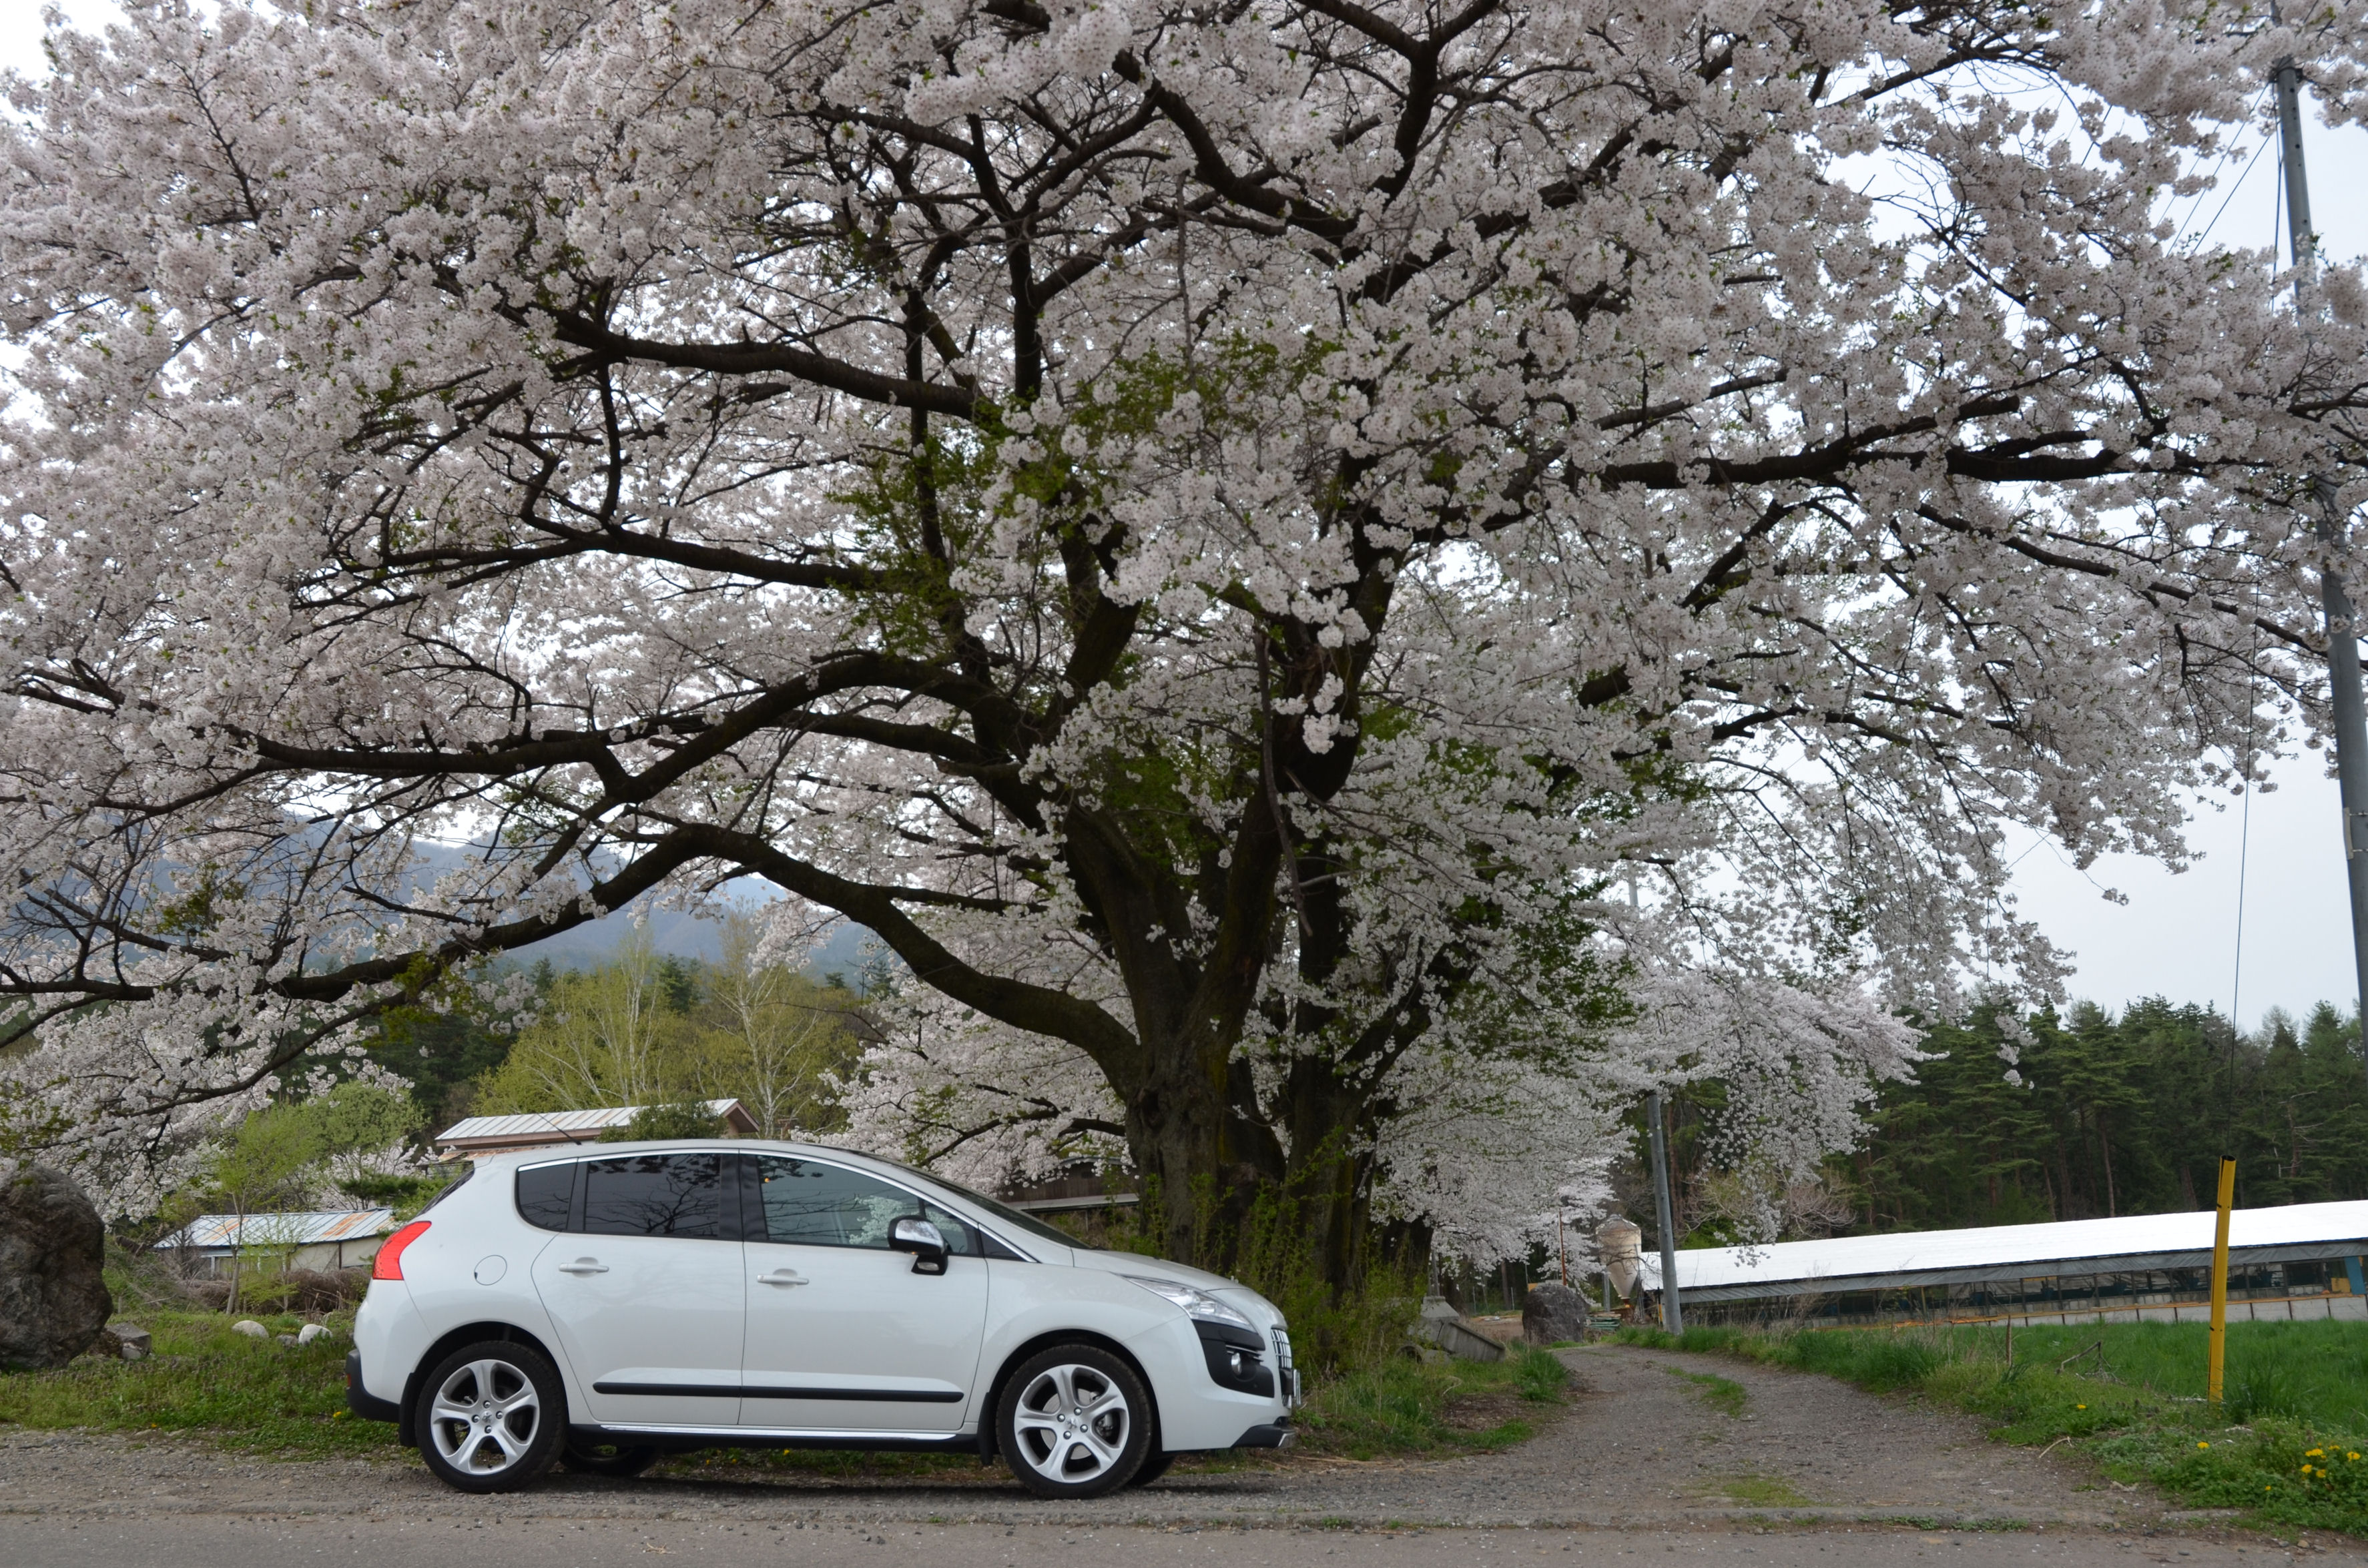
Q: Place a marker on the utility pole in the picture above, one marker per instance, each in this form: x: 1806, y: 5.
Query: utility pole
x: 2342, y: 645
x: 1673, y: 1318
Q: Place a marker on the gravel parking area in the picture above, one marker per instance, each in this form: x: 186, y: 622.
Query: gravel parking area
x: 1648, y: 1450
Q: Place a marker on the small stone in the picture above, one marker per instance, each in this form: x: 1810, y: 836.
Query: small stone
x: 250, y: 1328
x: 132, y: 1342
x: 311, y: 1331
x: 287, y: 1339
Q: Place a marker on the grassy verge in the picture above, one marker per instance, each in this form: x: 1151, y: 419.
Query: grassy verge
x: 267, y: 1397
x: 1414, y: 1407
x: 251, y: 1393
x: 2288, y: 1445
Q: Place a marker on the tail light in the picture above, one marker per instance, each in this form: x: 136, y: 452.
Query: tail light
x: 387, y: 1264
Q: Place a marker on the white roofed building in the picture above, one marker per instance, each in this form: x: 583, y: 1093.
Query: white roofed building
x: 481, y: 1135
x: 2304, y: 1259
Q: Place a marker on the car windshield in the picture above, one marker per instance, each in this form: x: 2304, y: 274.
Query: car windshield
x: 1015, y: 1219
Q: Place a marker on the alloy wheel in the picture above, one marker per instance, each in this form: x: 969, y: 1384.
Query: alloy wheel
x: 1071, y: 1424
x: 485, y: 1417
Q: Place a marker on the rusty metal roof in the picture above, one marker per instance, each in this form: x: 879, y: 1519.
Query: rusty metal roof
x: 283, y: 1230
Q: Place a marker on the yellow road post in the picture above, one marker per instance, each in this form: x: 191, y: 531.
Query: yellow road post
x: 2220, y: 1281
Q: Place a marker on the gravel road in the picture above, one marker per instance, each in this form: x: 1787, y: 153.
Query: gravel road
x: 1649, y: 1460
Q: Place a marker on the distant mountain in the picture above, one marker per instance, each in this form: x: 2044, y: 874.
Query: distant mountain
x: 685, y: 935
x: 671, y: 931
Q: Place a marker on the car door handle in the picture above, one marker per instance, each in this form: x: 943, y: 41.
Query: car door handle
x: 782, y: 1277
x: 584, y: 1266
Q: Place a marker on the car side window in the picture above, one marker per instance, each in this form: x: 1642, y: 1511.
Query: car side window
x: 808, y: 1203
x: 653, y: 1195
x: 545, y: 1193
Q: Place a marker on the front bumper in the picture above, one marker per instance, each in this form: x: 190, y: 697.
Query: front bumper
x: 1273, y: 1435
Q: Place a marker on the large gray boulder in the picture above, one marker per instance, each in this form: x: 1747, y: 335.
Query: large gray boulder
x: 1554, y: 1314
x: 53, y: 1299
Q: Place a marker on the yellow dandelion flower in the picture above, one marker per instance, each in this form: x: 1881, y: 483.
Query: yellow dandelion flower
x: 2203, y: 1444
x: 2315, y: 1453
x: 2079, y: 1407
x: 2352, y: 1455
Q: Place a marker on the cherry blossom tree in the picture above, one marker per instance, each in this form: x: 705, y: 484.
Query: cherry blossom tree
x: 1297, y: 560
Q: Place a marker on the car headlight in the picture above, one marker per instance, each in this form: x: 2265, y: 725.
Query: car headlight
x: 1197, y: 1303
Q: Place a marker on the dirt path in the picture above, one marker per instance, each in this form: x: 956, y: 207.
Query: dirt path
x: 1644, y: 1447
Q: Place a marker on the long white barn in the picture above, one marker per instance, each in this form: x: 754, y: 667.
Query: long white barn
x: 2313, y: 1247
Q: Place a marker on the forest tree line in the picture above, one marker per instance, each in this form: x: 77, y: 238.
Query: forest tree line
x: 2079, y: 1115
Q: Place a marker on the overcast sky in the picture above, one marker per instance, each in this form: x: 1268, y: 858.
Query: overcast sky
x: 2176, y: 935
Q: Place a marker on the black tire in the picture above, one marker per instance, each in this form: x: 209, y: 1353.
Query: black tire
x: 617, y: 1460
x: 1155, y: 1465
x: 496, y: 1400
x: 1075, y: 1421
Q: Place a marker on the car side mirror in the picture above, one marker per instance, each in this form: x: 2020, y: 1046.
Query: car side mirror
x: 923, y: 1240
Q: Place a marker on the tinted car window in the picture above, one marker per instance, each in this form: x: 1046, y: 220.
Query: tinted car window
x: 808, y: 1203
x: 543, y: 1193
x: 1018, y: 1220
x: 653, y: 1195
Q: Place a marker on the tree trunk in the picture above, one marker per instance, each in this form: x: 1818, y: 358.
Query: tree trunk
x: 1203, y: 1150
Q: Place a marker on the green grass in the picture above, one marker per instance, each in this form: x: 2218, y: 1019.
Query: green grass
x: 253, y: 1394
x: 1722, y: 1394
x: 263, y: 1396
x: 1414, y: 1407
x: 2289, y: 1443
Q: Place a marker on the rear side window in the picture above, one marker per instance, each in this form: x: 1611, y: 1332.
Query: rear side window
x: 545, y: 1193
x: 653, y: 1195
x: 808, y: 1203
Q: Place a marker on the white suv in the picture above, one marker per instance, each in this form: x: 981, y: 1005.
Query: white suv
x: 604, y: 1306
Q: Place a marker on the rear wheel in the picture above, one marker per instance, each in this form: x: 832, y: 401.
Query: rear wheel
x: 618, y: 1461
x: 491, y: 1416
x: 1074, y: 1422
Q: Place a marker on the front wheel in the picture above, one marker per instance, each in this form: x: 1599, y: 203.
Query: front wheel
x: 1155, y: 1465
x: 1074, y: 1422
x: 491, y: 1416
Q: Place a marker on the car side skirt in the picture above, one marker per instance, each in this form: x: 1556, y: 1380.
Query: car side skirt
x: 629, y: 1434
x: 755, y: 1390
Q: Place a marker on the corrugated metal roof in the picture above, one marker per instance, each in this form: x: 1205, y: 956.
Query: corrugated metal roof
x: 2010, y: 1252
x: 283, y: 1230
x: 555, y: 1125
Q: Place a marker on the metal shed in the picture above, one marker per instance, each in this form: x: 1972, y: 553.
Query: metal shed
x: 322, y: 1239
x: 2302, y: 1259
